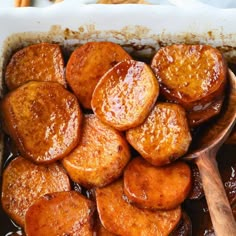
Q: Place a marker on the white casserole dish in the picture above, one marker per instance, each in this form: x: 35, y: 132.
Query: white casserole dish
x: 141, y: 29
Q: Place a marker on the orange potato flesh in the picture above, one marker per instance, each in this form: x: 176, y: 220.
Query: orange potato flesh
x: 88, y: 63
x: 153, y: 187
x: 24, y: 182
x: 61, y: 213
x: 120, y: 217
x: 100, y: 156
x: 42, y: 62
x: 101, y: 231
x: 43, y: 119
x: 196, y: 118
x: 191, y: 75
x: 125, y: 95
x: 164, y: 136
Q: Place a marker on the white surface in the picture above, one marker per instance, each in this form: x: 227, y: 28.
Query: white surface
x: 160, y: 22
x: 215, y: 3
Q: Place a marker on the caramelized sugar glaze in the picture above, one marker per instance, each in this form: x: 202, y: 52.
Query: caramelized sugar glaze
x: 196, y: 209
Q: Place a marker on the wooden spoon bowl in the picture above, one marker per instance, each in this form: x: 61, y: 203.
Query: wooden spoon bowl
x: 204, y: 155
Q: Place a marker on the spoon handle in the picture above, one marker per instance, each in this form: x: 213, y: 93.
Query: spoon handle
x: 220, y: 211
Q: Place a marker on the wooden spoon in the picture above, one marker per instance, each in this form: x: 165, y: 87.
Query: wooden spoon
x: 204, y: 155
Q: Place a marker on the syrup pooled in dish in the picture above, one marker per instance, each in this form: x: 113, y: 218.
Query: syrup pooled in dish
x: 132, y: 196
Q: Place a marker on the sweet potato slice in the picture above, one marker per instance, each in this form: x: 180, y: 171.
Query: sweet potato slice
x: 43, y: 119
x: 164, y: 136
x: 192, y: 75
x: 159, y: 188
x: 61, y: 213
x: 100, y: 156
x: 101, y: 231
x: 24, y: 182
x: 88, y: 63
x: 120, y: 217
x: 125, y: 95
x: 43, y: 62
x: 202, y: 115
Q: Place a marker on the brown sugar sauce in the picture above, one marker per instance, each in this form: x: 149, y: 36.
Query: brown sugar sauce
x: 195, y: 209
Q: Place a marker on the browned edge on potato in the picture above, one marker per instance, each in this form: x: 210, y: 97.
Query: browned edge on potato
x: 100, y: 156
x: 198, y: 117
x: 88, y: 63
x: 41, y: 62
x: 120, y: 217
x: 160, y: 188
x: 164, y: 136
x: 191, y: 75
x: 43, y: 119
x: 24, y: 182
x: 125, y: 95
x: 60, y: 213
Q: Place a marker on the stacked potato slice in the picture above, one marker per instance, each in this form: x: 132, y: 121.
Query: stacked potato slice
x: 138, y: 194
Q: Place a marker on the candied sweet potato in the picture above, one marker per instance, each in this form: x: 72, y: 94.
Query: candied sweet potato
x: 60, y: 213
x: 43, y: 62
x: 202, y: 115
x: 191, y: 75
x: 101, y: 231
x: 125, y: 95
x: 159, y: 188
x: 88, y: 63
x: 164, y: 136
x: 120, y: 217
x: 43, y: 119
x: 24, y: 182
x: 100, y: 156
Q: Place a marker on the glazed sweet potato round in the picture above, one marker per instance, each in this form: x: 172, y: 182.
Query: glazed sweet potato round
x: 24, y: 182
x: 160, y: 188
x: 121, y: 218
x: 88, y: 63
x: 125, y: 95
x: 192, y: 75
x: 60, y: 213
x: 164, y: 136
x: 43, y: 119
x: 100, y: 156
x: 41, y: 62
x: 101, y: 231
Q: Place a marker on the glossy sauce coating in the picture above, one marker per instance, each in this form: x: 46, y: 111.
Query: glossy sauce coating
x: 41, y: 62
x: 101, y: 231
x: 100, y: 156
x: 120, y: 217
x: 164, y: 136
x: 204, y: 113
x: 43, y: 119
x: 24, y: 182
x: 159, y: 188
x: 191, y: 75
x: 61, y: 213
x: 88, y: 63
x: 125, y: 95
